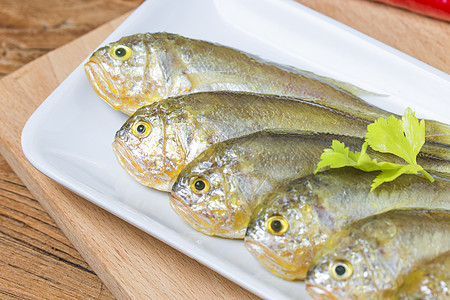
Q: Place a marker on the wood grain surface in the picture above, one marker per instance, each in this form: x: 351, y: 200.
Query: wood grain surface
x: 31, y: 28
x: 37, y: 260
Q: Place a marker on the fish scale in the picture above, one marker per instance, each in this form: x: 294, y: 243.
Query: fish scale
x: 430, y: 280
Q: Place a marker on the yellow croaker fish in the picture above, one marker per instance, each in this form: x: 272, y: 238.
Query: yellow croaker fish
x: 369, y: 259
x: 140, y: 69
x: 294, y: 221
x: 430, y: 281
x: 217, y: 192
x: 160, y: 139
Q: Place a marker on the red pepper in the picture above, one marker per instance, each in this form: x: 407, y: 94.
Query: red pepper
x: 434, y: 8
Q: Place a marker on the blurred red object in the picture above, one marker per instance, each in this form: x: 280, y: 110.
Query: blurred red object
x: 439, y: 9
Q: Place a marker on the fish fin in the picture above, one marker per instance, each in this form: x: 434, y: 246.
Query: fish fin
x: 380, y: 229
x: 348, y: 87
x: 290, y: 131
x: 208, y: 78
x: 352, y: 89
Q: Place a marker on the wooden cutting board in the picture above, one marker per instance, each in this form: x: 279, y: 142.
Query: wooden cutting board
x: 130, y: 262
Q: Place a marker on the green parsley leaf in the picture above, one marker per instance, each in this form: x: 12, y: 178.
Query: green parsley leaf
x: 403, y: 138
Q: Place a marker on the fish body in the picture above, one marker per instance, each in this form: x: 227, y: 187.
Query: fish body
x: 144, y: 68
x: 316, y: 206
x: 370, y: 258
x: 237, y: 172
x: 181, y: 128
x: 429, y: 281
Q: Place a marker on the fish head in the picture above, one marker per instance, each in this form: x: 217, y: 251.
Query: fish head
x: 346, y: 268
x: 208, y: 198
x: 152, y: 144
x: 283, y: 232
x: 125, y: 74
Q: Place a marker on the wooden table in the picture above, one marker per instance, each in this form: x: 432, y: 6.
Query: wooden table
x: 37, y: 259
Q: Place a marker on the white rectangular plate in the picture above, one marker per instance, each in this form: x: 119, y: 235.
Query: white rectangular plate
x: 69, y: 136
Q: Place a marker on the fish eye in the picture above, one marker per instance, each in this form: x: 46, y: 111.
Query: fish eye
x: 120, y: 52
x: 141, y: 129
x: 341, y: 269
x: 199, y: 185
x: 277, y: 225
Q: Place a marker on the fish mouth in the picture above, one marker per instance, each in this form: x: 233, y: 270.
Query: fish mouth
x: 319, y: 293
x: 274, y: 263
x: 189, y: 216
x: 128, y: 162
x: 102, y: 83
x: 141, y: 174
x: 203, y: 222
